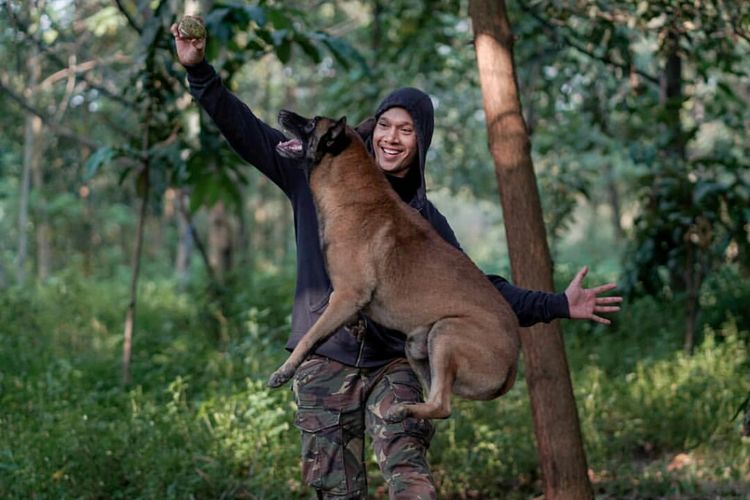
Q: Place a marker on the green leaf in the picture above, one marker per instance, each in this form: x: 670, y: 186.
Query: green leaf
x: 279, y: 37
x: 124, y: 175
x: 284, y: 51
x: 279, y: 20
x: 257, y: 14
x: 101, y: 156
x: 342, y: 51
x: 308, y: 47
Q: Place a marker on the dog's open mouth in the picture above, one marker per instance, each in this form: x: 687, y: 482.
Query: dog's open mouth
x: 292, y: 148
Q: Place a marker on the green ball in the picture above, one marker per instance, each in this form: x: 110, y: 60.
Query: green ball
x: 191, y: 27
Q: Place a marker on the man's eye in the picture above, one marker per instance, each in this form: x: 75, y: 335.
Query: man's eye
x: 407, y: 130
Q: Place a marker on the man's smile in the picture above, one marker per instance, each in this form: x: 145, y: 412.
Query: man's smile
x: 391, y: 153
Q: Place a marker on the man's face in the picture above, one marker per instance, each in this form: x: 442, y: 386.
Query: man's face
x: 395, y: 142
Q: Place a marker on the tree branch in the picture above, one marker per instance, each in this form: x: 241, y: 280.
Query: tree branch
x: 21, y: 28
x: 573, y: 44
x: 52, y: 125
x: 82, y: 68
x: 130, y: 19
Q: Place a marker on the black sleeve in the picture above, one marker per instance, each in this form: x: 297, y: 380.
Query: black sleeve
x: 530, y: 307
x: 252, y: 139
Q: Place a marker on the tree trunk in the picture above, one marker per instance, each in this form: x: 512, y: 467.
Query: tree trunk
x: 185, y: 238
x: 31, y: 158
x: 556, y: 425
x: 43, y: 229
x: 671, y: 101
x: 145, y: 188
x: 613, y: 193
x: 220, y: 248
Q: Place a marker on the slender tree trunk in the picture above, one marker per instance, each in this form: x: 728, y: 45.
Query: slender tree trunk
x: 185, y: 238
x: 145, y: 188
x: 43, y: 229
x: 671, y: 100
x: 31, y: 158
x: 613, y: 198
x: 556, y: 425
x: 377, y: 35
x: 615, y: 204
x: 244, y: 250
x: 220, y: 249
x: 200, y: 246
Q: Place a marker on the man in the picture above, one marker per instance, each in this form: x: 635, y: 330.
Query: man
x: 345, y: 388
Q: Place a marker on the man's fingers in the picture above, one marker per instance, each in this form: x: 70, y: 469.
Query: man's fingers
x: 606, y: 309
x: 599, y: 319
x: 603, y: 288
x: 608, y: 300
x: 580, y: 275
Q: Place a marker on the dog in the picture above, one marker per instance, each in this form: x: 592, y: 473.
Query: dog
x: 461, y: 334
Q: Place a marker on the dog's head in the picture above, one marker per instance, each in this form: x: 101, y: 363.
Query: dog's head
x: 312, y: 138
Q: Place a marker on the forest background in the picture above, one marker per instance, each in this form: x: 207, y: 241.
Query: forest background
x: 146, y: 273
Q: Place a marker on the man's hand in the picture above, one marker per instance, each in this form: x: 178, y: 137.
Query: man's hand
x: 190, y: 51
x: 585, y: 303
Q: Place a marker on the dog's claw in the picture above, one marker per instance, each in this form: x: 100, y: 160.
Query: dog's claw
x: 396, y: 414
x: 279, y: 378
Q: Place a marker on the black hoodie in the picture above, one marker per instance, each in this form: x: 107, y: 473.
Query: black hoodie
x: 255, y: 142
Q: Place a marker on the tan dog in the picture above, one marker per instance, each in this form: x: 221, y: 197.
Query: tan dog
x: 462, y: 336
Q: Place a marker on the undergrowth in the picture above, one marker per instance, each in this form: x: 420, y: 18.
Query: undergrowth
x: 198, y: 421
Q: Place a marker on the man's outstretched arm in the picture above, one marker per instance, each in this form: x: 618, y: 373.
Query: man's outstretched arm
x: 531, y: 306
x: 252, y: 139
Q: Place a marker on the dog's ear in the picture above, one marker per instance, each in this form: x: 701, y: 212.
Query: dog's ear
x: 336, y: 139
x: 365, y: 128
x: 338, y: 128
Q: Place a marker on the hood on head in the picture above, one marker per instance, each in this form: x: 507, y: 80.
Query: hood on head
x: 419, y: 105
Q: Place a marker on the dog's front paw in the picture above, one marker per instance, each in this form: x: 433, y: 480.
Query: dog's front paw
x: 396, y: 414
x: 279, y: 377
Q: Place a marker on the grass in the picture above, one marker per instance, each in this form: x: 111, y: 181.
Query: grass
x: 198, y: 421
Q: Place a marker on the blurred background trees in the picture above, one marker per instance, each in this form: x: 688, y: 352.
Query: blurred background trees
x: 637, y: 112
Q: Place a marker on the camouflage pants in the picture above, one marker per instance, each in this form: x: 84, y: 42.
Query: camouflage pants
x: 338, y: 404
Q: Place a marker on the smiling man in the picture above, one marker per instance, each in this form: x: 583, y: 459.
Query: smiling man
x: 344, y: 390
x: 394, y: 141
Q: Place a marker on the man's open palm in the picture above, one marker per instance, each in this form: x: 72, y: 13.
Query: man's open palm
x: 585, y: 303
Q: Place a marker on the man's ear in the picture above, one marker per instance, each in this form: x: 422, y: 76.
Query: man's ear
x: 365, y: 128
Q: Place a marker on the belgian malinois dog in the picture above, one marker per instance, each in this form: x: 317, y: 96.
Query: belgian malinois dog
x: 387, y: 262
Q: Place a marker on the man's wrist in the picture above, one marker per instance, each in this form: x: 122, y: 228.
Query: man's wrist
x: 199, y: 72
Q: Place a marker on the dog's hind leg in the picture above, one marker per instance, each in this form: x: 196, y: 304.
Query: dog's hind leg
x: 342, y: 306
x: 417, y: 353
x: 441, y: 345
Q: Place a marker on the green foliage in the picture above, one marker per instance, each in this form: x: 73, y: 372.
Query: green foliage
x: 200, y: 422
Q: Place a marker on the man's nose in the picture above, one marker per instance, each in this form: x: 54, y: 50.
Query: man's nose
x: 392, y: 135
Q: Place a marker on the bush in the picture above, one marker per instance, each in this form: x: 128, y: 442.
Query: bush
x: 199, y: 422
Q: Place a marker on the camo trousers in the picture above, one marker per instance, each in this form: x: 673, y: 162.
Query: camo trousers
x: 338, y: 404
